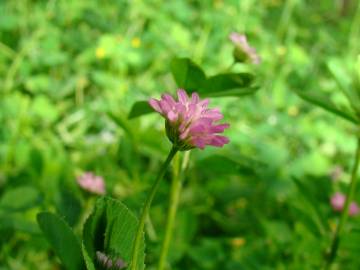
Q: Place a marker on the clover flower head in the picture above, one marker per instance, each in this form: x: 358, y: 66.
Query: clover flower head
x: 243, y: 52
x: 189, y: 121
x: 354, y: 209
x: 92, y: 183
x: 338, y: 202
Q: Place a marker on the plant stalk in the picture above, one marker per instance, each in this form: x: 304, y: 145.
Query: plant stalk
x: 345, y: 213
x: 176, y: 186
x: 285, y: 19
x: 354, y: 32
x: 145, y: 210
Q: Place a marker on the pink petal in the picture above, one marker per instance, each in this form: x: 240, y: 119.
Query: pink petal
x: 172, y: 116
x: 184, y: 134
x: 169, y: 99
x: 155, y: 105
x: 165, y: 106
x: 214, y: 114
x: 197, y: 129
x: 219, y: 128
x: 191, y: 110
x: 204, y: 121
x: 199, y: 142
x: 183, y: 97
x: 353, y: 209
x: 92, y: 183
x: 237, y: 38
x: 219, y: 141
x: 180, y: 108
x: 195, y: 98
x: 204, y: 103
x: 338, y: 201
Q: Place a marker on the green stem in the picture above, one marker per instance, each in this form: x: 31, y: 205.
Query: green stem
x: 145, y: 210
x: 354, y: 32
x: 285, y: 19
x: 345, y: 212
x: 173, y: 205
x: 150, y: 230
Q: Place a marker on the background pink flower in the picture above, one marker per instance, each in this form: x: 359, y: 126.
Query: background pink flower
x: 92, y: 183
x: 338, y: 202
x: 354, y: 209
x: 189, y: 121
x: 243, y: 51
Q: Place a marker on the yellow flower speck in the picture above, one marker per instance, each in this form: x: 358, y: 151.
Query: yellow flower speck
x: 136, y: 42
x: 218, y: 4
x: 241, y: 203
x: 100, y: 53
x: 238, y: 242
x: 293, y: 111
x: 281, y: 50
x: 332, y: 225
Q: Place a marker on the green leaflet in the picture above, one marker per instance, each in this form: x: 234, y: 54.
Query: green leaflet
x: 62, y: 239
x: 345, y: 83
x: 321, y: 100
x: 20, y: 198
x: 140, y: 108
x: 111, y: 229
x: 187, y: 74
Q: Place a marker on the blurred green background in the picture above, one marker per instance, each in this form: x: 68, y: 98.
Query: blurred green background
x: 69, y: 74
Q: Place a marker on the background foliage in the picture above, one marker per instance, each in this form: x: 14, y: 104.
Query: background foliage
x: 70, y: 72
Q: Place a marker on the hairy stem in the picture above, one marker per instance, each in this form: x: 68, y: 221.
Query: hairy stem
x: 345, y: 213
x: 145, y: 210
x: 173, y: 205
